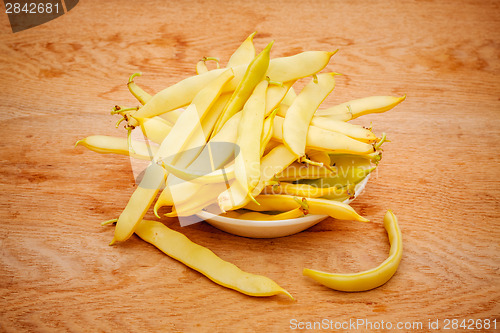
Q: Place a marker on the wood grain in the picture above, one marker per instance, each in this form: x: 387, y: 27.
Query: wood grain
x: 439, y: 173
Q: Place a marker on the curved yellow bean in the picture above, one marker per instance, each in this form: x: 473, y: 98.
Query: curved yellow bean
x: 171, y: 116
x: 267, y: 132
x: 351, y: 130
x: 300, y: 113
x: 271, y: 144
x: 186, y: 190
x: 281, y: 202
x: 275, y: 95
x: 256, y: 216
x: 253, y: 75
x: 345, y: 176
x: 247, y: 163
x: 321, y: 139
x: 304, y: 171
x: 204, y: 197
x: 298, y: 66
x: 201, y: 66
x: 113, y: 145
x: 184, y: 130
x: 185, y: 158
x: 139, y: 202
x: 155, y: 129
x: 274, y: 162
x: 213, y: 114
x: 372, y: 278
x: 175, y: 96
x: 289, y: 98
x: 183, y: 135
x: 318, y: 156
x: 176, y: 245
x: 244, y: 54
x: 359, y: 107
x: 303, y: 190
x: 217, y: 176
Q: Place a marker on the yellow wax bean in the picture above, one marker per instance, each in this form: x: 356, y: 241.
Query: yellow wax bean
x: 256, y: 216
x: 319, y: 156
x: 175, y: 96
x: 371, y: 278
x: 113, y: 145
x: 289, y: 98
x: 201, y: 67
x: 201, y: 259
x: 199, y: 136
x: 244, y: 54
x: 321, y: 139
x: 274, y: 162
x: 304, y: 171
x: 247, y: 163
x: 298, y: 66
x: 254, y: 74
x: 359, y: 107
x: 231, y: 214
x: 142, y: 96
x: 280, y: 202
x: 189, y: 155
x: 351, y: 130
x: 191, y: 173
x: 178, y: 190
x: 155, y: 129
x: 275, y: 95
x: 300, y: 113
x: 341, y: 194
x: 214, y: 113
x: 216, y: 176
x: 139, y: 202
x: 290, y: 68
x: 171, y: 117
x: 183, y: 135
x: 267, y: 132
x: 303, y: 190
x: 271, y: 144
x: 189, y: 122
x: 204, y: 197
x: 180, y: 171
x: 164, y: 199
x: 374, y: 157
x: 282, y: 109
x: 280, y: 69
x: 185, y: 190
x: 345, y: 161
x: 345, y: 176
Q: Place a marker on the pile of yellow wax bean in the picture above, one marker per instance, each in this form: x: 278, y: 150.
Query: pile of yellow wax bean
x: 240, y: 141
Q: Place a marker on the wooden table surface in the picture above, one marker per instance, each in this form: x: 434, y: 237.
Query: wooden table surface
x: 439, y: 173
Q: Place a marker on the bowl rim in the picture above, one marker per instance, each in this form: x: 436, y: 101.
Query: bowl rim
x: 205, y: 215
x: 259, y: 223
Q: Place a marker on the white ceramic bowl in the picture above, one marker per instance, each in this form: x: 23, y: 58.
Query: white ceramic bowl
x: 270, y: 229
